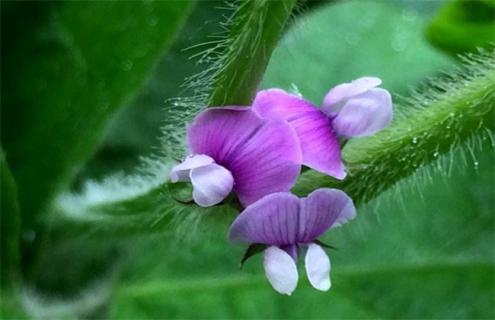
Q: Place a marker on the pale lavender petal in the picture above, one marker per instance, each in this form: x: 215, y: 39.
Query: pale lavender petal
x: 364, y: 114
x: 272, y: 220
x: 319, y: 145
x: 338, y: 95
x: 317, y: 266
x: 181, y: 171
x: 263, y: 155
x: 281, y: 270
x: 211, y: 184
x: 321, y: 210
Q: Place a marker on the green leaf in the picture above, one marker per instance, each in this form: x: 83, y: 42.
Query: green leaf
x: 10, y: 226
x: 463, y: 26
x: 420, y: 251
x: 70, y: 66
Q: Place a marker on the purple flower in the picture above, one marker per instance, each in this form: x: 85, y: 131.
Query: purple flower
x: 233, y: 148
x: 351, y: 109
x: 286, y: 224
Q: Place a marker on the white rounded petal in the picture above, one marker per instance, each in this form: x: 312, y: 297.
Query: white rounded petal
x: 318, y: 267
x: 181, y: 171
x: 336, y: 98
x: 364, y: 114
x: 281, y: 270
x: 211, y: 184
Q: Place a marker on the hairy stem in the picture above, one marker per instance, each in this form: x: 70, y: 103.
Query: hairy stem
x: 256, y: 28
x: 432, y: 124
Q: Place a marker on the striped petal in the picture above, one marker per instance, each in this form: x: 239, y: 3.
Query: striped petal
x: 319, y: 145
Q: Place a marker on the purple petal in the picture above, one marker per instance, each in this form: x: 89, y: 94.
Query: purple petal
x: 338, y: 95
x: 319, y: 145
x: 211, y: 184
x: 282, y: 219
x: 181, y: 171
x: 281, y: 270
x: 364, y: 114
x: 317, y: 266
x: 271, y: 220
x: 263, y: 155
x: 323, y: 209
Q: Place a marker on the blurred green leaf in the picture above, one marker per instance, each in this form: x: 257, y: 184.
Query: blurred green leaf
x: 9, y: 307
x: 10, y: 227
x: 331, y: 46
x: 70, y: 65
x: 463, y: 26
x: 420, y: 251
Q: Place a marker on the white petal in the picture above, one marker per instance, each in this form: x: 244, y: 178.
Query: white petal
x: 181, y: 171
x: 336, y: 98
x: 211, y: 184
x: 281, y: 270
x: 318, y: 267
x: 364, y: 114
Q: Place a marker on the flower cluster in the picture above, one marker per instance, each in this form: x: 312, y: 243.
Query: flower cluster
x: 257, y: 152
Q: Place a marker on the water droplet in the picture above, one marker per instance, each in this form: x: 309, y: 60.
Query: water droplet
x: 476, y: 164
x: 435, y: 154
x: 415, y: 140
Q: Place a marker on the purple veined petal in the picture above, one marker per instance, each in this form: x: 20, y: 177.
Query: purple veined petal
x: 319, y: 145
x: 269, y: 162
x: 337, y: 96
x: 218, y: 132
x: 263, y: 155
x: 211, y: 184
x: 181, y: 171
x: 282, y: 219
x: 365, y: 114
x: 281, y: 270
x: 271, y: 220
x: 321, y: 210
x: 318, y: 267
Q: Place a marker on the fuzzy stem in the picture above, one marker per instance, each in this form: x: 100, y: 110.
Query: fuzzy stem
x: 256, y: 28
x: 447, y: 116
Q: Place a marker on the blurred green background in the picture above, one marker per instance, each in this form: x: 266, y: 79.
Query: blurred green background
x: 85, y: 90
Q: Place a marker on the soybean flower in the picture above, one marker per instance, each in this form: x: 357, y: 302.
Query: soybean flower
x: 233, y: 148
x: 287, y: 224
x: 353, y: 109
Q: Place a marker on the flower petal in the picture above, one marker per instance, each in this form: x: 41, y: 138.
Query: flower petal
x: 282, y: 219
x: 318, y: 267
x: 181, y: 171
x: 338, y: 95
x: 319, y: 145
x: 365, y: 114
x: 263, y: 155
x: 321, y: 210
x: 211, y: 184
x: 281, y: 270
x: 271, y: 220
